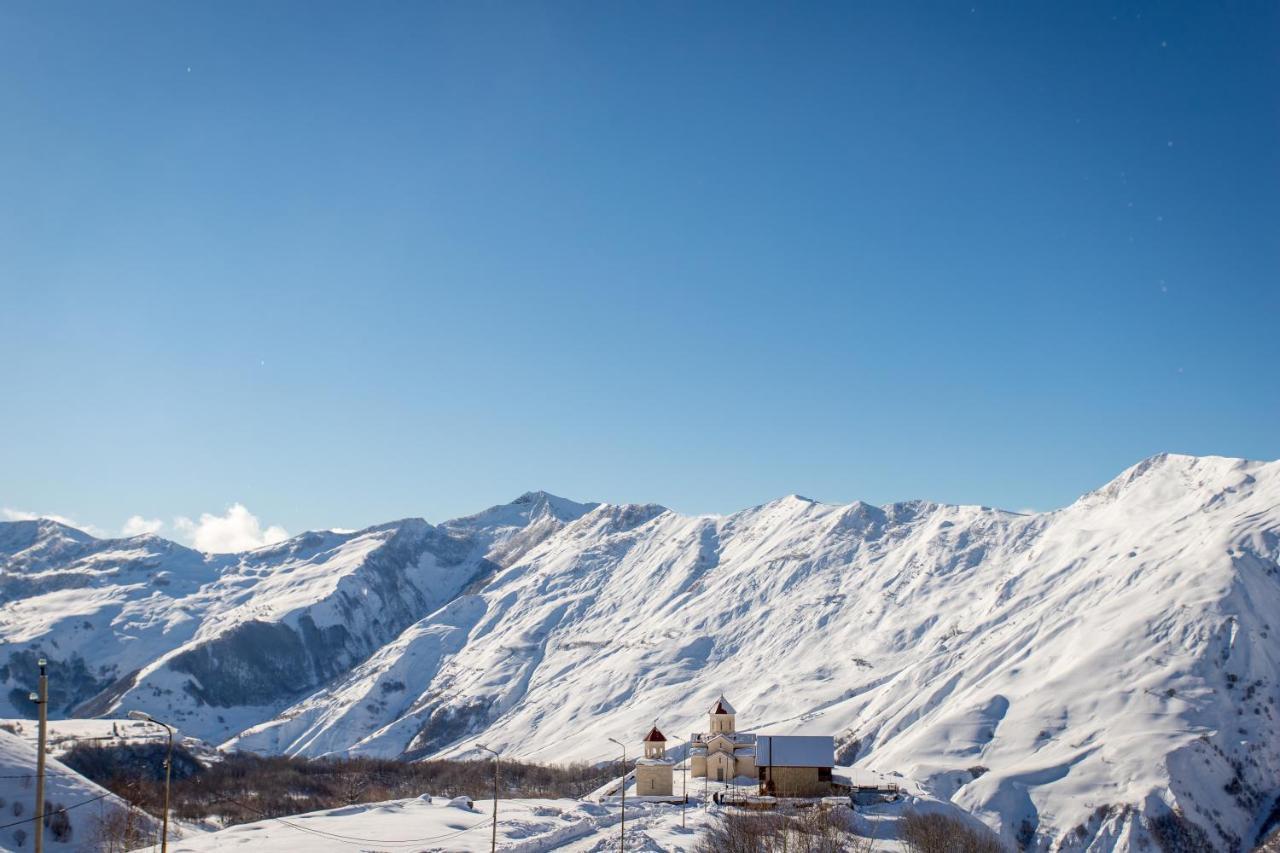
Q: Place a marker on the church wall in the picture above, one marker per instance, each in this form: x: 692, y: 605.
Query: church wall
x: 721, y: 761
x: 653, y: 780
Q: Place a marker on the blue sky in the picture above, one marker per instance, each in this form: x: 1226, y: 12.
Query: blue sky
x: 342, y: 263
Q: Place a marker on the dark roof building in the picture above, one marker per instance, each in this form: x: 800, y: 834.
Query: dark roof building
x: 795, y: 765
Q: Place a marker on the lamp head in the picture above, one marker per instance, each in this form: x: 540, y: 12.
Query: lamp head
x: 143, y: 716
x: 34, y: 697
x: 42, y: 663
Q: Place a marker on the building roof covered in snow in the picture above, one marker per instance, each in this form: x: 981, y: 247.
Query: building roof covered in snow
x: 795, y: 750
x: 722, y: 706
x: 732, y: 737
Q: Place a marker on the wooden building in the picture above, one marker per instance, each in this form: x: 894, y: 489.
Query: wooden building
x: 794, y: 765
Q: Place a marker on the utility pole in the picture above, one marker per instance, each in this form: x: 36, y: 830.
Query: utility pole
x: 769, y: 788
x: 143, y: 716
x: 622, y: 835
x: 684, y: 783
x: 493, y: 843
x: 42, y: 703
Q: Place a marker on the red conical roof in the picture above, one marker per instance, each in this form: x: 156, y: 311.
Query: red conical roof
x: 654, y: 735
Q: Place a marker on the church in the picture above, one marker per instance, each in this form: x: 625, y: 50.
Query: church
x: 653, y: 772
x: 722, y: 752
x: 781, y: 765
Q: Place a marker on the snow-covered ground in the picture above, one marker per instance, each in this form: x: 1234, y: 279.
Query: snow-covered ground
x: 433, y: 823
x: 1067, y: 676
x: 524, y: 826
x: 63, y: 735
x: 87, y: 804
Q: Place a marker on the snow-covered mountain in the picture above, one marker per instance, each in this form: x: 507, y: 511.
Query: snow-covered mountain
x: 1079, y: 677
x: 222, y: 641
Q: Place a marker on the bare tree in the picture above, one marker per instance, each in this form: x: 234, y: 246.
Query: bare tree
x: 120, y: 829
x: 816, y: 830
x: 930, y: 832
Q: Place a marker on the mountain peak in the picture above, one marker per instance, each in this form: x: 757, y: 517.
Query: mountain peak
x: 1177, y: 471
x: 523, y: 511
x: 40, y: 534
x: 562, y: 508
x: 535, y: 497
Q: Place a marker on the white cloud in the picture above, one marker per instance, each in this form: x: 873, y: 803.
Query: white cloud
x: 137, y: 525
x: 23, y: 515
x: 238, y: 530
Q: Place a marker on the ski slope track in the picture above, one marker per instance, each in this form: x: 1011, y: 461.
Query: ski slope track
x: 1101, y: 677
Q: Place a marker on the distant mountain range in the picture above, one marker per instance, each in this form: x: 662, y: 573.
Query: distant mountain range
x: 1098, y: 677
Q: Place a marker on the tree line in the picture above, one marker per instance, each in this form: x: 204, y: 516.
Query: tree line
x: 243, y: 787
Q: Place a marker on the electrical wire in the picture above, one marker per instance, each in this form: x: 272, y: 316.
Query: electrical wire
x: 354, y: 838
x: 347, y: 839
x: 58, y: 811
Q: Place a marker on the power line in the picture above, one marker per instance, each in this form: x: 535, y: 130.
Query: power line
x: 353, y: 838
x: 58, y: 811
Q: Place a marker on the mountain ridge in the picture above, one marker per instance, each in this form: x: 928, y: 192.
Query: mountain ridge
x: 1119, y: 648
x: 537, y: 497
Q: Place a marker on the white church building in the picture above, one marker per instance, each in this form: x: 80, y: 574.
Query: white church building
x: 722, y: 752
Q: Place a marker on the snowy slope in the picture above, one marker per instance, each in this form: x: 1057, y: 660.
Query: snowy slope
x: 1114, y: 654
x: 429, y: 823
x: 64, y: 735
x: 1069, y: 677
x: 87, y: 804
x: 217, y: 642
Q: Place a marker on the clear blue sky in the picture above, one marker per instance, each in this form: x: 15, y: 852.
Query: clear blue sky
x: 351, y: 262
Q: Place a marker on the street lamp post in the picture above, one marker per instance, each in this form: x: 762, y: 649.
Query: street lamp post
x: 622, y: 834
x: 143, y: 716
x: 684, y: 784
x: 493, y: 844
x: 42, y: 703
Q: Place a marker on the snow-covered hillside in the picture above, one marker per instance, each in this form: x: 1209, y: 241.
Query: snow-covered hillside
x: 220, y: 641
x: 86, y: 810
x: 1068, y: 676
x: 427, y: 824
